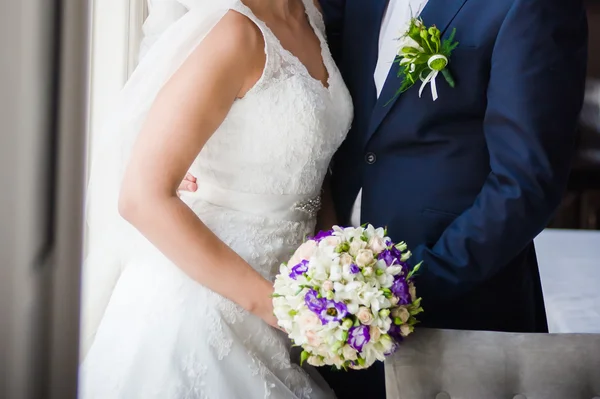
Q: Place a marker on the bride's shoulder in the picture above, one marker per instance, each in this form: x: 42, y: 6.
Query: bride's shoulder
x: 233, y: 38
x: 238, y: 33
x: 232, y: 53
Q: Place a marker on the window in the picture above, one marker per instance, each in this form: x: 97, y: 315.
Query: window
x: 116, y: 35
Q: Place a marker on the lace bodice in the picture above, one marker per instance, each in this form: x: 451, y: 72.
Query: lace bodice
x: 280, y: 137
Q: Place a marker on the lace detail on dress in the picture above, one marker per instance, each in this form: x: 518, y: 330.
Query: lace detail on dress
x: 194, y: 385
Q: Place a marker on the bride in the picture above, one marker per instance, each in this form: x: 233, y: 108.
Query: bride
x: 245, y: 96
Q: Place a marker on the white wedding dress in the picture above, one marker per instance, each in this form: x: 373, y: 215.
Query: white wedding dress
x: 165, y: 336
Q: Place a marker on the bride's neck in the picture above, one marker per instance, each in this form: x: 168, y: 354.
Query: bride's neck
x: 279, y: 8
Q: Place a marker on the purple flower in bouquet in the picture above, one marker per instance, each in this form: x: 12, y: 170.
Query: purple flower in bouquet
x: 358, y: 337
x: 313, y: 302
x: 392, y: 350
x: 396, y: 333
x: 333, y: 311
x: 322, y: 234
x: 401, y: 290
x: 299, y: 269
x: 354, y: 269
x: 396, y: 253
x: 387, y: 257
x: 393, y: 256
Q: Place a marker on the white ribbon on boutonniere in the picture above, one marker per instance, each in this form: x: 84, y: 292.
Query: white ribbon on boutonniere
x: 423, y: 55
x: 433, y: 73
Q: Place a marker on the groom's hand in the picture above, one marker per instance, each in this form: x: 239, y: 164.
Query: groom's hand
x: 188, y: 184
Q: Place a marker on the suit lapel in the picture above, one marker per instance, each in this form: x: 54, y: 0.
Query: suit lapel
x: 437, y: 12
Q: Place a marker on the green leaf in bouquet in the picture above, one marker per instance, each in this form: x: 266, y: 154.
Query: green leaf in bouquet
x: 343, y: 247
x: 416, y: 303
x: 387, y: 292
x: 303, y: 287
x: 361, y: 361
x: 293, y: 312
x: 414, y: 270
x: 345, y: 335
x: 401, y: 246
x: 416, y: 311
x: 305, y: 355
x: 277, y: 295
x: 398, y: 321
x: 337, y: 346
x: 411, y: 322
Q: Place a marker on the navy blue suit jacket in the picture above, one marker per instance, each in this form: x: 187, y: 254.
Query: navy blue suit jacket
x: 469, y: 180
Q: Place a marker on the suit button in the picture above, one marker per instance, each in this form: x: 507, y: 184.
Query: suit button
x: 370, y: 158
x: 442, y: 395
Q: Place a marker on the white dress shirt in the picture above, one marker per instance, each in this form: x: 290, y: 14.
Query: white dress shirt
x: 395, y: 24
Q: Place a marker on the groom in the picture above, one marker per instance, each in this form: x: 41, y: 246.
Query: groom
x: 470, y: 179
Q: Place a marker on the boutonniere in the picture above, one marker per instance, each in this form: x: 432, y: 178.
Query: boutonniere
x: 423, y: 55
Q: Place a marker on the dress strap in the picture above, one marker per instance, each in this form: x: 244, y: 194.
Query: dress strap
x: 315, y: 16
x: 270, y: 44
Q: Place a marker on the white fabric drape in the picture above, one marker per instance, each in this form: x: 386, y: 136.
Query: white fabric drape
x: 174, y: 29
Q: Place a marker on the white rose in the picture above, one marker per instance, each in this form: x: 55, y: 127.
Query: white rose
x: 394, y: 300
x: 304, y: 252
x: 405, y: 330
x: 376, y: 244
x: 413, y: 291
x: 356, y: 245
x: 315, y: 361
x: 308, y: 320
x: 337, y: 360
x: 375, y: 334
x: 402, y: 313
x: 331, y: 241
x: 313, y: 339
x: 365, y: 316
x: 346, y: 260
x: 364, y: 257
x: 349, y: 353
x: 327, y: 286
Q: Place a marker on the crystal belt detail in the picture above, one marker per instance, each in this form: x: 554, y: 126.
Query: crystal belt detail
x: 310, y: 206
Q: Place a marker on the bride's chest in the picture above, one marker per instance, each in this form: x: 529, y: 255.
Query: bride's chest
x: 292, y: 115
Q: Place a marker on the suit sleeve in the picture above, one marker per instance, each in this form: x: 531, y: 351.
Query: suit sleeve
x: 333, y: 14
x: 535, y: 94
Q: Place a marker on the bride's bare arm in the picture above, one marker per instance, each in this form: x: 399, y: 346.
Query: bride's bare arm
x: 187, y: 111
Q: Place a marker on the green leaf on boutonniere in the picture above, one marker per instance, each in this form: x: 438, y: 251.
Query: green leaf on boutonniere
x: 422, y: 56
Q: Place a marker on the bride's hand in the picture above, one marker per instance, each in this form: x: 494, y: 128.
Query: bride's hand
x: 188, y: 184
x: 264, y: 310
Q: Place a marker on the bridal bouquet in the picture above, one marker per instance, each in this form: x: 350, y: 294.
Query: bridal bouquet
x: 347, y: 297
